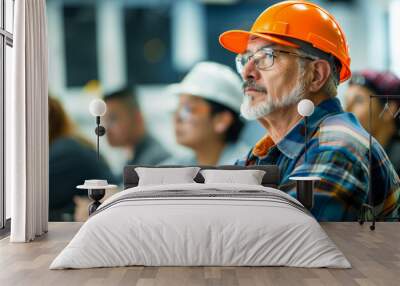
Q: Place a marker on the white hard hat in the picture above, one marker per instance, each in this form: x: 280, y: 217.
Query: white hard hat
x: 213, y: 81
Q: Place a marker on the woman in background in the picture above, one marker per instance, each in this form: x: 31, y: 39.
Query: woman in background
x: 72, y: 159
x: 385, y: 119
x: 207, y: 119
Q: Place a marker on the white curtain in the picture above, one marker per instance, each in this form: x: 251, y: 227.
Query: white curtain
x: 27, y: 123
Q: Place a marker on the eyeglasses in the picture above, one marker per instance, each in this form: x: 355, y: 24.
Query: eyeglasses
x: 358, y: 79
x: 264, y: 58
x: 186, y: 111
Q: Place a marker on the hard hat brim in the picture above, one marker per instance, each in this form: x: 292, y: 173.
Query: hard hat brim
x: 236, y: 40
x: 178, y: 89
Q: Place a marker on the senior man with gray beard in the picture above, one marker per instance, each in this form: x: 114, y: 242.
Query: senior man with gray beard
x: 296, y: 50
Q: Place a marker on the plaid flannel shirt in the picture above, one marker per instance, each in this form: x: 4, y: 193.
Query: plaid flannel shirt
x: 338, y: 153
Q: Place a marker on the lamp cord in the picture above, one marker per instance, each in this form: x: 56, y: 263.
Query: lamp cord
x: 98, y: 156
x: 306, y: 139
x: 97, y: 133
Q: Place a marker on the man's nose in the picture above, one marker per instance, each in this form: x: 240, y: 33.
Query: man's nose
x: 250, y: 71
x: 177, y: 117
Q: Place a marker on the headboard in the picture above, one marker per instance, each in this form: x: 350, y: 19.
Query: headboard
x: 270, y: 179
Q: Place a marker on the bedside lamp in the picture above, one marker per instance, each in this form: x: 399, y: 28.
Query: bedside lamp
x: 305, y: 108
x: 96, y: 191
x: 96, y: 188
x: 305, y: 185
x: 98, y: 108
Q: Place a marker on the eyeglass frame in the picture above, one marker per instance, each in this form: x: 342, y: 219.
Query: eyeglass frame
x: 186, y: 112
x: 267, y: 52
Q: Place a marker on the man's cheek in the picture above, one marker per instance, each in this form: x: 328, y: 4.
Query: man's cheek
x: 114, y: 132
x: 119, y: 131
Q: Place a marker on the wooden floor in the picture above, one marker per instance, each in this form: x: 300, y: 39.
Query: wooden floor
x: 374, y: 255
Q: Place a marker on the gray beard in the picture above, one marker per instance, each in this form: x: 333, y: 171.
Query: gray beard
x: 270, y: 105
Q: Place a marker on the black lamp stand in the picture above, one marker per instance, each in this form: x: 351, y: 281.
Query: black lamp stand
x: 100, y: 131
x: 305, y: 193
x: 305, y: 186
x: 305, y: 139
x: 96, y: 195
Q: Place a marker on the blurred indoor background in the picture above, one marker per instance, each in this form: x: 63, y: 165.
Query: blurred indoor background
x: 98, y: 46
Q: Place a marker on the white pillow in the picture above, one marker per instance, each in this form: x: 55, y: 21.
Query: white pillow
x: 163, y: 176
x: 248, y: 177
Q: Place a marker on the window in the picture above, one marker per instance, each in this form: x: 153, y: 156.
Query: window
x: 6, y: 43
x: 80, y: 44
x: 148, y: 45
x: 221, y: 18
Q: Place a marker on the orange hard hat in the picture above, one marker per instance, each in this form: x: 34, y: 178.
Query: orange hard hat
x: 300, y: 20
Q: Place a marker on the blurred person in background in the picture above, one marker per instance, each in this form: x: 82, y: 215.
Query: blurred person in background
x: 296, y: 50
x: 385, y: 113
x: 72, y: 160
x: 207, y: 119
x: 126, y: 129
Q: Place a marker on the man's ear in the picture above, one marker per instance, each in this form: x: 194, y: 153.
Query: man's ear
x: 222, y: 121
x: 321, y: 71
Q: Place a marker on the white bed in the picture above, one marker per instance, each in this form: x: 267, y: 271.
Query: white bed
x: 222, y: 225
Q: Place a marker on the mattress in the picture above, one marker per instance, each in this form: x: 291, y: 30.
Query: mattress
x: 201, y: 225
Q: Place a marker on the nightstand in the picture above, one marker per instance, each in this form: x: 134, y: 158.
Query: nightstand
x: 96, y: 191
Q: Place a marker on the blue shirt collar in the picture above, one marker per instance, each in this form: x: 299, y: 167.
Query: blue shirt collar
x: 294, y: 142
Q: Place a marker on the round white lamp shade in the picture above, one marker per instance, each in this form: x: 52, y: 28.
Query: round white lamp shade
x: 305, y: 107
x: 97, y: 107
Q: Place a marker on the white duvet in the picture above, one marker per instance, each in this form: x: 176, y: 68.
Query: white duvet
x: 189, y: 230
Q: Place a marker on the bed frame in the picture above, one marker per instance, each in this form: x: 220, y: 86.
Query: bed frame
x: 270, y: 179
